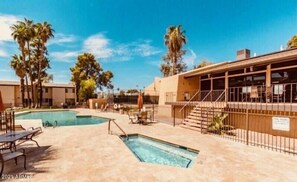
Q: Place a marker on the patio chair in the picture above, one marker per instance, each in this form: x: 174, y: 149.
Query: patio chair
x: 104, y: 107
x: 9, y: 155
x: 143, y: 117
x: 38, y: 131
x: 133, y: 119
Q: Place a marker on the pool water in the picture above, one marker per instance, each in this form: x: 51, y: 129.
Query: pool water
x: 153, y: 151
x: 63, y: 118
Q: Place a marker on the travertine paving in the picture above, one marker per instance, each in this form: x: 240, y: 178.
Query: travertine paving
x: 89, y: 153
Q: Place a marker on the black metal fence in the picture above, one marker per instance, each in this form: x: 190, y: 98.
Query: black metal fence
x: 132, y: 99
x: 254, y: 116
x: 7, y: 121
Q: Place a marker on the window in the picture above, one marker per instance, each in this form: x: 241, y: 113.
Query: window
x: 66, y: 90
x: 46, y: 90
x: 73, y: 90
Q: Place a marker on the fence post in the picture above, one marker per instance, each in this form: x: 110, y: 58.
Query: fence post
x: 173, y: 115
x: 109, y: 126
x: 247, y: 125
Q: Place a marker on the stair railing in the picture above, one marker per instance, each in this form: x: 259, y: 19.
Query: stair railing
x: 191, y: 101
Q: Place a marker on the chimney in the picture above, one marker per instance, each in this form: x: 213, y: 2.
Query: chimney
x: 243, y: 54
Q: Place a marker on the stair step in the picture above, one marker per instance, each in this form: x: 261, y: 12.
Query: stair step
x: 196, y: 120
x: 195, y: 125
x: 192, y: 128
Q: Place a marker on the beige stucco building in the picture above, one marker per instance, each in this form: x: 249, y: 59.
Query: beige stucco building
x: 53, y: 94
x: 268, y: 78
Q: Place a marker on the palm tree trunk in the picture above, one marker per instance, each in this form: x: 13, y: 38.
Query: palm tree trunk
x: 26, y: 79
x: 40, y: 94
x: 23, y: 92
x: 28, y: 93
x: 30, y: 74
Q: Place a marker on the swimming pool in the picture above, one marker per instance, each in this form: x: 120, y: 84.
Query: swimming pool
x: 150, y: 150
x: 63, y: 118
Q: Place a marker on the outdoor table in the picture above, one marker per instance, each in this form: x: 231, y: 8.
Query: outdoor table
x: 11, y: 137
x: 139, y: 116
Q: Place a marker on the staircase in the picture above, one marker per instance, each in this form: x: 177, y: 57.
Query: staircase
x: 200, y: 117
x: 202, y: 114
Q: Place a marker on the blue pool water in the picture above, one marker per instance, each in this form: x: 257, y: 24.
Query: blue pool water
x: 63, y: 118
x: 152, y: 151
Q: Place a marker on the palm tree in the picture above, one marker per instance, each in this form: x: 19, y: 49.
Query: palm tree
x: 44, y: 32
x: 165, y: 69
x: 18, y: 34
x: 29, y: 32
x: 174, y: 40
x: 48, y: 78
x: 18, y: 65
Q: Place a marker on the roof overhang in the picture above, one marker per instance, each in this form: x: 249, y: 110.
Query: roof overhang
x: 274, y: 57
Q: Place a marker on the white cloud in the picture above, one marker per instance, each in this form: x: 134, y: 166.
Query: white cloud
x: 156, y: 63
x: 190, y: 58
x: 3, y: 53
x: 144, y: 48
x: 98, y: 45
x: 5, y: 22
x: 61, y: 38
x: 103, y: 47
x: 65, y: 56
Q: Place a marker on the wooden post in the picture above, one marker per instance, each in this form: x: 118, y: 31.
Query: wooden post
x: 268, y: 83
x: 226, y: 85
x: 211, y: 88
x: 247, y: 125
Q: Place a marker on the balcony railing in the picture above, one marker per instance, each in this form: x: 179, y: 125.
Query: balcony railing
x: 276, y: 93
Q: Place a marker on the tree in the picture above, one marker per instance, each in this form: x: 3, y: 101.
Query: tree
x: 292, y: 43
x: 174, y: 40
x: 43, y: 32
x: 20, y: 70
x: 87, y: 89
x: 87, y: 67
x: 203, y: 63
x: 165, y: 69
x: 19, y: 35
x: 32, y: 40
x: 29, y: 35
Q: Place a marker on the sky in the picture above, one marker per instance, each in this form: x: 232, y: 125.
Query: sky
x: 127, y: 36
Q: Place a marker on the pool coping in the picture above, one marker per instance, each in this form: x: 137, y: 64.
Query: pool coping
x: 189, y: 165
x: 162, y: 141
x: 77, y: 115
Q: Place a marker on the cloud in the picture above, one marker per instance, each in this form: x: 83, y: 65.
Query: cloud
x: 156, y: 63
x: 98, y: 45
x: 3, y: 53
x: 65, y: 56
x: 144, y: 48
x: 190, y: 58
x: 105, y: 48
x: 5, y: 22
x: 61, y: 39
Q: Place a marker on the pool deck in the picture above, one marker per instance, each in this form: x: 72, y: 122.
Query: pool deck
x: 89, y: 153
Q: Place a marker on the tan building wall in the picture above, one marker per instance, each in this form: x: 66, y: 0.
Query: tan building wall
x: 11, y: 93
x: 8, y: 95
x: 154, y: 88
x: 59, y: 96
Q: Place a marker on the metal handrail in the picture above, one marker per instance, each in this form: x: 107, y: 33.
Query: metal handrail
x: 223, y: 93
x: 113, y: 120
x: 190, y: 100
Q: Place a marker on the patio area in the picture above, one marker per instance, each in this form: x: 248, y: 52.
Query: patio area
x: 88, y: 153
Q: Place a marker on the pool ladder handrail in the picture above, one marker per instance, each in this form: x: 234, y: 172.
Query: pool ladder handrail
x: 113, y: 120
